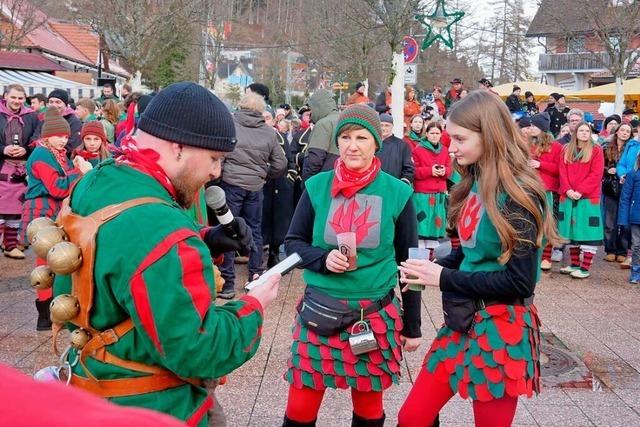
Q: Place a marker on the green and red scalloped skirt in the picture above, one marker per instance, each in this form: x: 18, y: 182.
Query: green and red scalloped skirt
x: 321, y: 362
x: 499, y: 356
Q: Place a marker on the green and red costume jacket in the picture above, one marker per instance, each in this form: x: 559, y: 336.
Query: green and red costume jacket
x: 152, y: 266
x: 382, y: 216
x: 499, y: 355
x: 49, y: 180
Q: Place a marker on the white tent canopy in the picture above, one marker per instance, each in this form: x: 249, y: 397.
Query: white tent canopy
x: 38, y: 82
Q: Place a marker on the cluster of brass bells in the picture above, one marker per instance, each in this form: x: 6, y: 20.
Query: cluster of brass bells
x: 46, y: 238
x: 42, y: 277
x: 63, y: 308
x: 79, y: 338
x: 38, y: 224
x: 51, y: 242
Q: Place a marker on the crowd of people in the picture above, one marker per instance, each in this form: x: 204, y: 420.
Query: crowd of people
x: 492, y: 177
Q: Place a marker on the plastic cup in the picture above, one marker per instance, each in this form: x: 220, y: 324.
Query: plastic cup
x: 347, y: 247
x: 417, y: 253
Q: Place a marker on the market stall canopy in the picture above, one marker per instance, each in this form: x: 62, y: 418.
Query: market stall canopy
x: 38, y: 82
x: 540, y: 91
x: 630, y: 88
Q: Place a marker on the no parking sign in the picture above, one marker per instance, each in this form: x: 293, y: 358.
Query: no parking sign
x: 410, y: 49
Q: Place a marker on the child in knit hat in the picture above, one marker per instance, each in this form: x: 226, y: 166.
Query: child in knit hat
x: 94, y: 145
x: 50, y: 175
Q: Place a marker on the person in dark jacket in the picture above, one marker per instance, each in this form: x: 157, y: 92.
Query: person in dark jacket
x: 18, y: 129
x: 277, y: 206
x: 530, y: 105
x: 513, y: 100
x: 257, y: 157
x: 629, y: 216
x: 322, y: 152
x: 395, y: 154
x: 298, y: 150
x: 383, y: 101
x: 558, y: 112
x: 59, y: 98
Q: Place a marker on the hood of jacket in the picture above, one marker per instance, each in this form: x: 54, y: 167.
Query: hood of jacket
x: 249, y: 118
x: 321, y: 104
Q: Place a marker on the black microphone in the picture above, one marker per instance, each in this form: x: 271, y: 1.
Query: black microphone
x: 217, y: 201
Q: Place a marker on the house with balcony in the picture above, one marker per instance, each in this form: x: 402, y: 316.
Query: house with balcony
x: 574, y: 57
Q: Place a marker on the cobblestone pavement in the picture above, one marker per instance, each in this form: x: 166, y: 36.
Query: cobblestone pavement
x: 595, y: 319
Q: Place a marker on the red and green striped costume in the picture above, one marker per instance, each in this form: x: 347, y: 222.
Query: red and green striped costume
x: 48, y: 184
x: 319, y: 362
x: 152, y: 266
x: 499, y: 356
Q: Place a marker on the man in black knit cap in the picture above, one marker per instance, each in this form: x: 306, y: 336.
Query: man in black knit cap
x: 152, y: 266
x: 59, y: 98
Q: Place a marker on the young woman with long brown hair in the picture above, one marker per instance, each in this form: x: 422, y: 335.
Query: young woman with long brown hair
x: 544, y: 158
x: 488, y: 348
x: 580, y: 216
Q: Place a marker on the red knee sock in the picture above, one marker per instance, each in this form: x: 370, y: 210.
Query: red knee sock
x: 424, y: 402
x: 455, y: 242
x: 495, y: 413
x: 546, y: 253
x: 10, y: 239
x: 574, y: 252
x: 303, y: 404
x: 587, y: 259
x: 367, y: 404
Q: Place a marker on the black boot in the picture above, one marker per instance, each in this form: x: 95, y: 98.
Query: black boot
x: 291, y: 423
x: 358, y: 421
x: 44, y: 317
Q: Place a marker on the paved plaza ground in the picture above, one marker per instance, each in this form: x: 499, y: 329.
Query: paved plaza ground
x: 593, y: 368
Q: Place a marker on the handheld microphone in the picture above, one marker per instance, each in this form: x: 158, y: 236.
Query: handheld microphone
x: 217, y: 201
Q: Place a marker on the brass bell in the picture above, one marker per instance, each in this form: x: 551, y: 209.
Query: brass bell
x: 79, y: 338
x: 63, y: 308
x: 64, y: 258
x: 37, y: 225
x: 46, y: 239
x: 42, y: 277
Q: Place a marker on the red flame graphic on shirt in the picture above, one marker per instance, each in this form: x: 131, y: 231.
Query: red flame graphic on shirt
x: 470, y: 218
x: 344, y: 220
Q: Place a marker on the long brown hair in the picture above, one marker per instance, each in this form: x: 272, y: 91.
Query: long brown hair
x: 541, y: 143
x: 612, y: 154
x: 571, y: 149
x: 111, y: 112
x: 502, y: 168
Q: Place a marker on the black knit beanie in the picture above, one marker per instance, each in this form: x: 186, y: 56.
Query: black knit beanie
x: 187, y: 113
x: 542, y: 121
x: 612, y: 118
x: 61, y: 94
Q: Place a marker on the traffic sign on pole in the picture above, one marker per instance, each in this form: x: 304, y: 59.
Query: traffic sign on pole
x: 410, y: 74
x: 410, y: 49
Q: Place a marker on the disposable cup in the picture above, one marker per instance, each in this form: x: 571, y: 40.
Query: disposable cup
x: 347, y: 247
x: 417, y: 253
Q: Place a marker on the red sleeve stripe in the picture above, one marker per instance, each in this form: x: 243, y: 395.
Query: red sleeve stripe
x: 197, y: 416
x: 193, y: 278
x: 57, y: 185
x: 139, y: 286
x: 251, y: 305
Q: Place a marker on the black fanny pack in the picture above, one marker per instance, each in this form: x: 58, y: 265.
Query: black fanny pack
x: 327, y: 316
x: 459, y: 311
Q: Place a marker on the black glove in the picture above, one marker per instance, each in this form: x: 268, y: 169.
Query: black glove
x: 219, y: 242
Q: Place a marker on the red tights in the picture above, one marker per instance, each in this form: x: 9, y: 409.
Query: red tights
x: 428, y: 396
x: 303, y: 404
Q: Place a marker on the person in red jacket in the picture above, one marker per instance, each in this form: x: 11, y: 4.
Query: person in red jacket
x: 415, y: 131
x: 579, y: 218
x: 545, y: 159
x: 432, y: 168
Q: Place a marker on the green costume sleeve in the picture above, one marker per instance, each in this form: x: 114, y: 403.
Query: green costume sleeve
x: 169, y: 298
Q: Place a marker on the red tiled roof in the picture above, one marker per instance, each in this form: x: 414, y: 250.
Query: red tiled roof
x: 28, y: 61
x: 81, y: 37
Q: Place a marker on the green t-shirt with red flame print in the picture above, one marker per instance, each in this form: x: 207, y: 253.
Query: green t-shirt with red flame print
x: 371, y: 214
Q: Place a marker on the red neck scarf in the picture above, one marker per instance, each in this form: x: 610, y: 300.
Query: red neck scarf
x: 60, y: 155
x: 87, y: 155
x: 349, y: 182
x: 144, y: 160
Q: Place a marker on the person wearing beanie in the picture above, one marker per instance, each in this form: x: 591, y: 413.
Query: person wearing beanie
x: 257, y: 158
x: 545, y: 158
x: 59, y: 99
x: 153, y: 272
x: 530, y: 105
x: 558, y: 112
x: 411, y: 105
x: 322, y: 151
x: 50, y: 175
x: 609, y: 124
x: 359, y: 96
x: 395, y: 154
x: 94, y: 145
x: 358, y: 201
x: 513, y: 101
